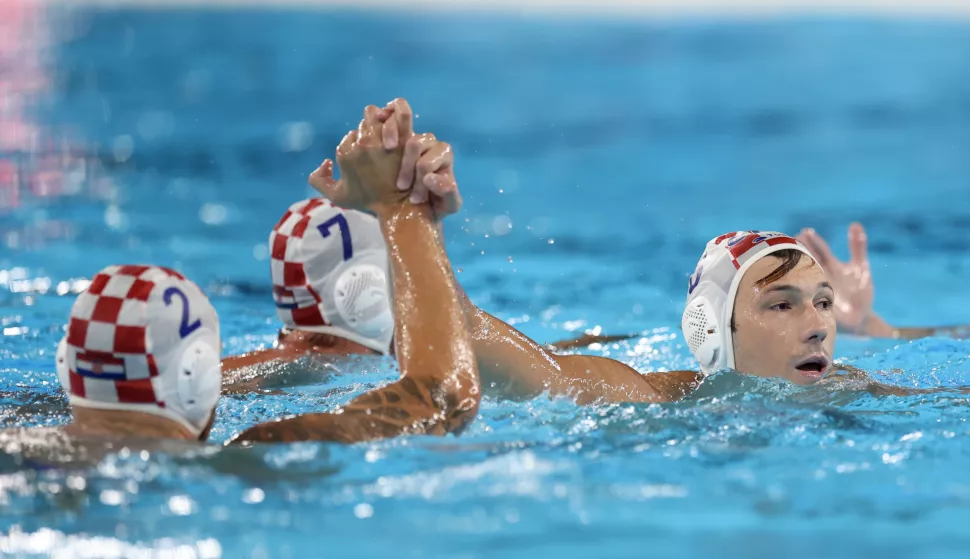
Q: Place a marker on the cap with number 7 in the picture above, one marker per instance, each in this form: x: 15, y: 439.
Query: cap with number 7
x: 329, y: 268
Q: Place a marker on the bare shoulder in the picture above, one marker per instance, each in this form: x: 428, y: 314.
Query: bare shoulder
x: 674, y: 385
x: 589, y: 379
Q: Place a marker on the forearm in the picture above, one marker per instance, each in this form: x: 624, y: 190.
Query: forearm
x: 587, y: 340
x: 408, y: 406
x: 876, y: 327
x: 510, y: 363
x: 431, y: 332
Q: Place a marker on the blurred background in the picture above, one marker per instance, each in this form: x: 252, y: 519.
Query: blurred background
x: 177, y: 133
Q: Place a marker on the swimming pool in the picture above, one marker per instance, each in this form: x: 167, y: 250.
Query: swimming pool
x: 596, y: 159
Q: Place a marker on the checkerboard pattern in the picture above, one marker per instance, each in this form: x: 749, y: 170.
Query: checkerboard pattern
x: 297, y: 302
x: 109, y: 353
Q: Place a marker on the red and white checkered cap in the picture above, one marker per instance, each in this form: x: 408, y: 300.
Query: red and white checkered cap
x: 329, y: 268
x: 143, y: 338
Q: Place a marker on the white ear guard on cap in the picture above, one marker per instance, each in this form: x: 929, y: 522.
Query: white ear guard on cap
x: 361, y: 302
x: 361, y: 297
x: 713, y: 288
x: 701, y: 331
x: 199, y: 374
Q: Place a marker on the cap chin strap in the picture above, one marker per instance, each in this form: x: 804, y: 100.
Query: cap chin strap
x: 197, y: 387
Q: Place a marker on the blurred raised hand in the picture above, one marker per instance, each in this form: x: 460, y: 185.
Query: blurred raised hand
x: 851, y: 280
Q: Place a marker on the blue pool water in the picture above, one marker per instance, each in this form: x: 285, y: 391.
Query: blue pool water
x: 596, y: 158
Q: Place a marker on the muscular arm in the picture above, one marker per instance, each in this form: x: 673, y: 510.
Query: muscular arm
x: 515, y: 366
x: 587, y: 340
x: 876, y: 327
x: 512, y: 365
x: 439, y: 390
x: 844, y: 375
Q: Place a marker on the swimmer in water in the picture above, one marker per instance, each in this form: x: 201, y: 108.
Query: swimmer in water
x: 439, y: 388
x: 141, y: 359
x: 330, y: 288
x: 139, y: 364
x: 758, y: 303
x: 852, y: 280
x: 329, y: 271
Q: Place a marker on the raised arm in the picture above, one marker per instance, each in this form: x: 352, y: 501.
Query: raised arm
x: 438, y: 391
x: 509, y: 362
x: 854, y: 291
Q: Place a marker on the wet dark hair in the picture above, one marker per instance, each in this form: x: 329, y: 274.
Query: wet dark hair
x: 790, y: 259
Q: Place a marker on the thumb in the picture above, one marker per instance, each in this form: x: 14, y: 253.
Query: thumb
x: 323, y: 182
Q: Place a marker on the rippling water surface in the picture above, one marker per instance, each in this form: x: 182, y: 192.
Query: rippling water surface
x: 596, y: 159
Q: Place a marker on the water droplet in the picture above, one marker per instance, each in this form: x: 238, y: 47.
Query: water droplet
x: 111, y: 497
x: 502, y: 225
x: 115, y: 218
x: 296, y: 136
x: 181, y: 505
x: 213, y: 214
x: 122, y: 148
x: 363, y: 510
x: 253, y: 496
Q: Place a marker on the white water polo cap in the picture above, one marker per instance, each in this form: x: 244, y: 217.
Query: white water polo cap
x: 713, y: 288
x: 143, y: 339
x: 329, y: 268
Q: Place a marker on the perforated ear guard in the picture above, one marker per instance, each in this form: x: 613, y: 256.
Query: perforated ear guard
x: 199, y: 380
x: 361, y: 297
x: 702, y: 332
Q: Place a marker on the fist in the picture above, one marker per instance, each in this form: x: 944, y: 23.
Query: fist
x: 368, y: 171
